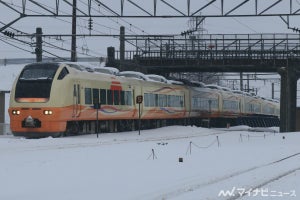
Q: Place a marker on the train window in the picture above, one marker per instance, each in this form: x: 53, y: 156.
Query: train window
x: 128, y: 98
x: 165, y: 100
x: 103, y: 96
x: 147, y: 99
x: 230, y: 105
x: 109, y: 97
x: 177, y: 101
x: 195, y: 102
x: 95, y: 96
x: 38, y: 72
x: 88, y: 95
x: 74, y: 91
x: 160, y: 100
x: 78, y: 93
x: 181, y: 101
x: 169, y: 102
x: 64, y: 72
x: 156, y: 100
x: 257, y: 108
x: 214, y: 104
x: 152, y: 100
x: 122, y: 102
x: 116, y: 97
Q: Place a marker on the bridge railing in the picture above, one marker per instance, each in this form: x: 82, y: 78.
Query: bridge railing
x: 218, y: 46
x: 212, y: 54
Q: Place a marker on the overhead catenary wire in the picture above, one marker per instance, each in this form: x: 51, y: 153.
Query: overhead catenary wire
x: 15, y: 46
x: 56, y: 18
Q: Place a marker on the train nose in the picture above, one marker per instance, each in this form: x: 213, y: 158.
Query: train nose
x: 29, y: 122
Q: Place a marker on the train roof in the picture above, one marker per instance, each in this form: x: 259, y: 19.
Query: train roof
x: 174, y: 82
x: 157, y: 78
x: 107, y: 70
x: 216, y: 87
x: 134, y: 75
x: 198, y: 83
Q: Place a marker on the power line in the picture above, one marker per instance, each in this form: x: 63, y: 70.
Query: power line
x: 15, y: 46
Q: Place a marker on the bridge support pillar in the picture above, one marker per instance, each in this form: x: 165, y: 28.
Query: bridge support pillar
x: 288, y: 99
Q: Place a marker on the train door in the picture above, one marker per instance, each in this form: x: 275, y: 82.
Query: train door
x: 76, y: 100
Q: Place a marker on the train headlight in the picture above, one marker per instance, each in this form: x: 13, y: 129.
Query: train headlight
x: 16, y: 112
x: 48, y: 112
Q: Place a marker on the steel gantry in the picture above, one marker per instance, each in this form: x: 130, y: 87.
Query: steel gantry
x: 192, y: 8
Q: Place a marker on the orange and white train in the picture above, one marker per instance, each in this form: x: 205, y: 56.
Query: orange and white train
x: 54, y: 99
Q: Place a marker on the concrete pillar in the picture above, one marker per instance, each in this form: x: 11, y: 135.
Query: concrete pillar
x: 288, y: 99
x: 291, y: 98
x: 2, y: 107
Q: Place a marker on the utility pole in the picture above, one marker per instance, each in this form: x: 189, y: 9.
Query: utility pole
x: 73, y: 45
x: 122, y: 47
x: 248, y: 83
x: 38, y: 48
x: 241, y: 81
x: 272, y: 90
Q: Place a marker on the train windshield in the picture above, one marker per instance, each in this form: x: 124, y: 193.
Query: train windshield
x: 37, y: 73
x: 35, y: 81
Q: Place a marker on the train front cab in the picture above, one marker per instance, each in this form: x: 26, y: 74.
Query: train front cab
x: 32, y: 111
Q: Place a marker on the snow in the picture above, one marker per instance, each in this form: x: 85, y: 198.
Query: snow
x: 122, y: 165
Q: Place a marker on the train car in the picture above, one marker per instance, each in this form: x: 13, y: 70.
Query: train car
x: 54, y: 99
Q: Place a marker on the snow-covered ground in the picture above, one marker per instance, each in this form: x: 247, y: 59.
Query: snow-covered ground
x: 217, y: 163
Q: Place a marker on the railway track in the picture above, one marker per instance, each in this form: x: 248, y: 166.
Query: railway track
x: 262, y: 184
x: 96, y: 142
x: 220, y: 182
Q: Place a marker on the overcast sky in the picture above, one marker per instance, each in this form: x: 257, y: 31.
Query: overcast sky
x: 97, y: 46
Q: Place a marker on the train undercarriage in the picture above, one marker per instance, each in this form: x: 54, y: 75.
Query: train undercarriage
x: 109, y: 126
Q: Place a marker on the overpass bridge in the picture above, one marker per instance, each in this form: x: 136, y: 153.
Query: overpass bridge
x: 211, y: 53
x: 278, y: 53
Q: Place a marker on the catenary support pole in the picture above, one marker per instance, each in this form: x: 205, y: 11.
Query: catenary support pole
x: 73, y: 45
x: 122, y: 47
x: 39, y: 41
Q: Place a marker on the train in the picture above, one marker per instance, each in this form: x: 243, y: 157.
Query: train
x: 59, y: 99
